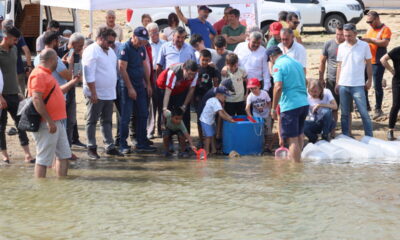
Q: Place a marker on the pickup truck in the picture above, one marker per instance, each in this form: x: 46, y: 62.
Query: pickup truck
x: 326, y: 13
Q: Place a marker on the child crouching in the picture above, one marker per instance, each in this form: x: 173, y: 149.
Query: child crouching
x: 174, y: 125
x: 207, y: 118
x: 320, y: 118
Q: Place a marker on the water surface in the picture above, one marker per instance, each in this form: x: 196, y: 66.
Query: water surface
x: 244, y: 198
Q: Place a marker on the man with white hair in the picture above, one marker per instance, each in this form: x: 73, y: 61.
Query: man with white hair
x: 253, y: 59
x: 110, y: 23
x: 74, y: 60
x: 291, y: 48
x: 155, y: 43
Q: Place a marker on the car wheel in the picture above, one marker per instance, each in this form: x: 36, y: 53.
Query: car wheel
x: 332, y: 21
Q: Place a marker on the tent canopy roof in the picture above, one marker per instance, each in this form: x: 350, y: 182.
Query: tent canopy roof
x: 122, y: 4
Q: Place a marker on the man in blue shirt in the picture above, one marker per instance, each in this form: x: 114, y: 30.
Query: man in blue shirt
x: 290, y: 93
x: 176, y: 51
x: 135, y: 73
x: 199, y: 25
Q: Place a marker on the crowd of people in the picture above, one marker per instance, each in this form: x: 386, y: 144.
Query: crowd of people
x: 155, y: 79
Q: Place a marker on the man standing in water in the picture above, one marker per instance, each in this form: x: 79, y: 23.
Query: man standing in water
x: 291, y: 94
x: 51, y: 138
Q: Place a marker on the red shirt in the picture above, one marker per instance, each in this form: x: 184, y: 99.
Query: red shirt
x: 219, y: 25
x: 42, y: 81
x: 172, y: 78
x: 149, y: 53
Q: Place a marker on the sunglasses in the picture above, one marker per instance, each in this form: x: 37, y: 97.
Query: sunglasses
x: 370, y: 22
x: 296, y: 22
x: 110, y: 42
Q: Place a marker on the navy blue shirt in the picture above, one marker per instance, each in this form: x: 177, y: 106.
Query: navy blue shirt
x: 204, y: 29
x: 20, y: 64
x: 134, y: 57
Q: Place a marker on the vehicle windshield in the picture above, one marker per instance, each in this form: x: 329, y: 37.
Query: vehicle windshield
x: 3, y: 8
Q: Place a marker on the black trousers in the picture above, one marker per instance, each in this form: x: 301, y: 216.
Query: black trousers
x: 396, y: 103
x: 12, y: 108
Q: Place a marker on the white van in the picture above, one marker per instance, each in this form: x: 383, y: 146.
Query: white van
x: 26, y: 16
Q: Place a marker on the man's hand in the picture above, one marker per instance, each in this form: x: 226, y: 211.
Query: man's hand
x: 149, y: 91
x: 368, y: 84
x: 70, y: 59
x: 166, y: 112
x: 52, y: 126
x: 274, y: 115
x: 77, y: 79
x: 368, y: 40
x: 132, y: 93
x: 337, y: 87
x: 3, y: 103
x: 183, y: 107
x: 93, y: 98
x: 281, y: 142
x: 224, y: 72
x: 194, y: 149
x: 315, y: 108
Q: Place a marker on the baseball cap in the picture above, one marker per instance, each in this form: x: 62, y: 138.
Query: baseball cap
x: 275, y: 28
x: 205, y: 7
x: 253, y: 82
x: 222, y: 90
x: 141, y: 33
x: 1, y: 18
x: 273, y: 50
x: 228, y: 84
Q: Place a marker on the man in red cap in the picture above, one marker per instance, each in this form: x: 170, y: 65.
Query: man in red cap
x: 274, y: 30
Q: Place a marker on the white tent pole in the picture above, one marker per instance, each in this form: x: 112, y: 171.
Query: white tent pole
x: 40, y: 19
x: 91, y: 23
x: 256, y: 13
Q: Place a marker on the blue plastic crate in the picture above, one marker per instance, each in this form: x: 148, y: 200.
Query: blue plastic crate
x: 244, y: 137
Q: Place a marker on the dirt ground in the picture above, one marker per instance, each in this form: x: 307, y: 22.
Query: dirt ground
x: 313, y: 39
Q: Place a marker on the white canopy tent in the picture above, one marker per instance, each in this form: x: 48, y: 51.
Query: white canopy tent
x: 92, y: 5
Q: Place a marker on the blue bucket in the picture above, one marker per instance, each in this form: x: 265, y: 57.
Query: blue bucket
x: 243, y: 136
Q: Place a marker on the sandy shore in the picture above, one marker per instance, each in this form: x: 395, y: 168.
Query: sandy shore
x: 313, y: 39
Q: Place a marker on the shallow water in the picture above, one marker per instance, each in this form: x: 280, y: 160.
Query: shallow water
x: 246, y: 198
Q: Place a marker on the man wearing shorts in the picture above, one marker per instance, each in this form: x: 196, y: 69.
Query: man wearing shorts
x: 51, y: 138
x: 290, y: 93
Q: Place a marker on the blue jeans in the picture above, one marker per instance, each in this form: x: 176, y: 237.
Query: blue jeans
x: 378, y: 70
x: 358, y: 94
x: 140, y: 108
x: 325, y: 125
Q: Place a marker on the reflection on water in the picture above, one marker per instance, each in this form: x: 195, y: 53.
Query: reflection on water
x: 244, y: 198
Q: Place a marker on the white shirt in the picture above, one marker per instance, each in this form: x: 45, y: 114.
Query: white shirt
x: 259, y: 103
x: 254, y: 63
x: 100, y: 67
x: 352, y: 60
x: 297, y: 52
x: 327, y: 99
x: 155, y: 50
x: 213, y: 105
